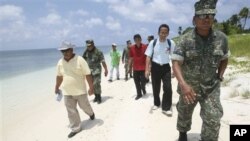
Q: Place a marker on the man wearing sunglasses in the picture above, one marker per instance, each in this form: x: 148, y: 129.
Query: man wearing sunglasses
x: 72, y: 71
x: 199, y: 62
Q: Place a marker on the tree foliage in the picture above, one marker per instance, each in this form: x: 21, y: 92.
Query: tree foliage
x: 234, y: 25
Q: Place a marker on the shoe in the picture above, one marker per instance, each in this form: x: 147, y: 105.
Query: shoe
x: 92, y: 117
x: 72, y: 134
x: 118, y: 78
x: 168, y: 112
x: 144, y: 91
x: 110, y: 80
x: 138, y: 97
x: 126, y: 79
x: 182, y: 136
x: 155, y: 107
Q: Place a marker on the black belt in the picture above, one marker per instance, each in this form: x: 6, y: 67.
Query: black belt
x: 160, y: 64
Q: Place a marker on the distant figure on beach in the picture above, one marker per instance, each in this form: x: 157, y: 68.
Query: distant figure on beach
x: 115, y: 61
x: 157, y: 64
x: 199, y: 62
x: 138, y: 58
x: 125, y: 58
x: 95, y: 58
x: 150, y: 38
x: 72, y: 71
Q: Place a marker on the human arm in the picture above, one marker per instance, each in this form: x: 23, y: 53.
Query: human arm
x: 189, y: 95
x: 59, y: 80
x: 130, y: 61
x: 123, y: 56
x: 148, y: 67
x: 90, y: 83
x: 104, y: 65
x: 221, y: 69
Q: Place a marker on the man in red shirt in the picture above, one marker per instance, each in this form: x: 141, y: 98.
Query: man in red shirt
x: 137, y: 56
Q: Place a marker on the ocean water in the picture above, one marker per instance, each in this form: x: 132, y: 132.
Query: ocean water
x: 17, y: 62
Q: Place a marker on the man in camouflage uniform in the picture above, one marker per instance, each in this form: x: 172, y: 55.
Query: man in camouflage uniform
x: 199, y: 61
x: 125, y: 58
x: 95, y: 58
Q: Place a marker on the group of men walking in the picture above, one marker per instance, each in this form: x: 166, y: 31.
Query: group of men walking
x: 199, y: 61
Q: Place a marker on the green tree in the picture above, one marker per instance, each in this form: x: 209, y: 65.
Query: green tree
x: 234, y: 20
x: 244, y: 14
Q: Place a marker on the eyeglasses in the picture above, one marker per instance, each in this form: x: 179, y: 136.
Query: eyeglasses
x: 204, y: 16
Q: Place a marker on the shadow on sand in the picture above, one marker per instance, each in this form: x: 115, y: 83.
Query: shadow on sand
x: 88, y: 124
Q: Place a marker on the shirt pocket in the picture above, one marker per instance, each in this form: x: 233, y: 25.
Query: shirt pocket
x: 216, y: 57
x: 191, y: 54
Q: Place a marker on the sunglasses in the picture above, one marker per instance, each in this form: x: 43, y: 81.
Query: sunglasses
x: 204, y: 16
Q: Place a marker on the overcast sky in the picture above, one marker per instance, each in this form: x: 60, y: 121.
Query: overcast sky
x: 26, y: 24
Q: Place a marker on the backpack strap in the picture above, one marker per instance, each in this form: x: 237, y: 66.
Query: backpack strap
x: 169, y: 43
x: 154, y: 43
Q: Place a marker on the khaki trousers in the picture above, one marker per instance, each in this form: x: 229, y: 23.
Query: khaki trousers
x: 73, y: 114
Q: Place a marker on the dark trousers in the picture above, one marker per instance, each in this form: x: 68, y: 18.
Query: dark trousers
x: 140, y: 81
x: 162, y: 73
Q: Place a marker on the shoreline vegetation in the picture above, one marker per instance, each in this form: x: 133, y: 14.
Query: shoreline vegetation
x: 239, y: 66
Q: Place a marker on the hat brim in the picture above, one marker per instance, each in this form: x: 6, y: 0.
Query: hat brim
x: 205, y: 11
x: 89, y: 44
x: 64, y: 48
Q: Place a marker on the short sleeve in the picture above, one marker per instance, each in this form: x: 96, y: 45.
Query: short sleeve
x: 101, y: 57
x: 225, y: 48
x: 59, y: 68
x: 149, y: 50
x: 178, y: 51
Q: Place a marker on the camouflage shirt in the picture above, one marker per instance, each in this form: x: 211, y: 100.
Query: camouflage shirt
x: 94, y: 59
x: 201, y: 58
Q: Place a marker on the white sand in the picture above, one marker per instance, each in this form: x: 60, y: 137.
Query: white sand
x: 30, y: 112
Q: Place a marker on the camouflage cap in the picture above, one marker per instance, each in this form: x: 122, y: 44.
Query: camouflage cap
x: 205, y: 7
x: 89, y: 42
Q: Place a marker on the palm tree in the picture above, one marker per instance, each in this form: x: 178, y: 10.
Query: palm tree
x: 244, y: 14
x: 234, y: 20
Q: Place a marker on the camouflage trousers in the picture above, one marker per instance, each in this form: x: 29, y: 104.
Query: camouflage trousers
x: 211, y: 113
x: 97, y: 83
x: 126, y: 67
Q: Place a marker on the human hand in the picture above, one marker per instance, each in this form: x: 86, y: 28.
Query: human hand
x: 91, y: 91
x: 189, y: 95
x: 57, y: 90
x: 147, y: 74
x: 106, y: 73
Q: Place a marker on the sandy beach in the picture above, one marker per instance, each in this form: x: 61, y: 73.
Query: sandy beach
x: 31, y: 113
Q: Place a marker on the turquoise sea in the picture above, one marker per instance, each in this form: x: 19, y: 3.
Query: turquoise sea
x: 18, y: 62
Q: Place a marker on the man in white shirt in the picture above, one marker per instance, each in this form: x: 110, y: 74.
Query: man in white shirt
x: 72, y: 70
x: 157, y: 63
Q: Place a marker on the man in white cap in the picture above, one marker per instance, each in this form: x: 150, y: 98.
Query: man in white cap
x: 72, y: 70
x: 115, y: 61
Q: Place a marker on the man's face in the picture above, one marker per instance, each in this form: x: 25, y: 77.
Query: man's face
x: 90, y: 47
x: 137, y: 41
x: 204, y: 21
x: 129, y: 44
x: 67, y: 54
x: 163, y: 33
